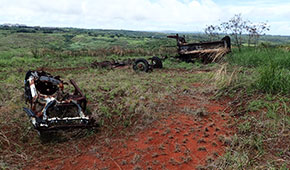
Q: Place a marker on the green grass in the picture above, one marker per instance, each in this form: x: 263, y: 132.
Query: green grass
x: 269, y: 68
x: 257, y: 80
x: 255, y: 57
x: 262, y: 132
x: 273, y: 79
x: 260, y: 89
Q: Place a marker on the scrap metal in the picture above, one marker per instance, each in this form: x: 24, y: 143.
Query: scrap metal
x: 112, y: 64
x: 143, y: 65
x: 50, y: 106
x: 207, y: 51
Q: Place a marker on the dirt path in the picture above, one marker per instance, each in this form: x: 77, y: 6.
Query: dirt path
x: 192, y: 133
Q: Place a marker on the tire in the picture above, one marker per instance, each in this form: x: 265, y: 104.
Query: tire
x: 141, y: 65
x: 156, y: 62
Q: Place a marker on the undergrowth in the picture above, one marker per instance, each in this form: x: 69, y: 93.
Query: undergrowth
x: 259, y: 88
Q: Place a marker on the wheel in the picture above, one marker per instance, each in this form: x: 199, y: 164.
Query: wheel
x: 141, y: 64
x: 156, y: 62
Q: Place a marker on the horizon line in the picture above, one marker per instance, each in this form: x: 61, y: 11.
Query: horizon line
x: 120, y: 29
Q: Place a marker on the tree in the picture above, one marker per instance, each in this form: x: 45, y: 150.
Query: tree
x: 212, y: 31
x: 236, y: 26
x: 256, y: 30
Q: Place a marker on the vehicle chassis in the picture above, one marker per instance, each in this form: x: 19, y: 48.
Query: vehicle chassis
x: 50, y: 107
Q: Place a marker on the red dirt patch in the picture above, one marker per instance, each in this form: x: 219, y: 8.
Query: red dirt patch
x: 177, y: 141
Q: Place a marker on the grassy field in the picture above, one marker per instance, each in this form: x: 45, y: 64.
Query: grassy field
x: 256, y: 81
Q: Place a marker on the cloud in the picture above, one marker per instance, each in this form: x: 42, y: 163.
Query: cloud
x: 152, y: 15
x: 160, y: 14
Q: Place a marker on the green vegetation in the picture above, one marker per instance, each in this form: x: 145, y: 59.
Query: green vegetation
x: 261, y: 56
x: 257, y: 80
x: 273, y: 79
x: 269, y: 66
x: 259, y: 87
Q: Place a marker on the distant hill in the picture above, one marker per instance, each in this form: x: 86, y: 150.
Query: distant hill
x: 71, y: 38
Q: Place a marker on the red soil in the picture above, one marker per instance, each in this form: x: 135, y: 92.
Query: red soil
x: 177, y: 141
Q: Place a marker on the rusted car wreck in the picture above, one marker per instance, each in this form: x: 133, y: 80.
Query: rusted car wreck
x: 206, y: 51
x: 50, y: 107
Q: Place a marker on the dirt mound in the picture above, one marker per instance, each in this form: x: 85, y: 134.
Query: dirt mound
x: 191, y: 135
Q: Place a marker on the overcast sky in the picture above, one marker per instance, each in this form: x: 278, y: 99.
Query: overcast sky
x: 147, y: 15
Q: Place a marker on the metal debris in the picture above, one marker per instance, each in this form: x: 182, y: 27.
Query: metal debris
x: 207, y: 51
x: 142, y: 65
x: 50, y: 106
x: 112, y: 64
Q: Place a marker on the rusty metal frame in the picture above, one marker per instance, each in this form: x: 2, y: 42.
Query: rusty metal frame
x: 187, y: 51
x: 48, y: 98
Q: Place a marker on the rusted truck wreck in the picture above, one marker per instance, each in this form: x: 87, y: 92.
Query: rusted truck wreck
x: 206, y: 51
x: 50, y: 107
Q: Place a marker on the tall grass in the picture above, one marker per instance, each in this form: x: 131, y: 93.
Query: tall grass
x: 273, y: 79
x: 255, y: 57
x: 272, y: 66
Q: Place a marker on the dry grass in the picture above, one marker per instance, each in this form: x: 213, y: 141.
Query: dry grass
x: 218, y: 54
x: 213, y: 55
x: 225, y: 77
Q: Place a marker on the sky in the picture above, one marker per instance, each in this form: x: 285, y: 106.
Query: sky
x: 145, y: 15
